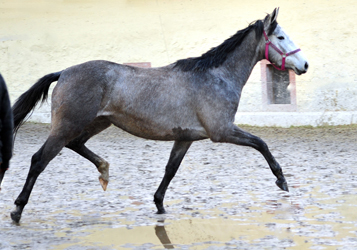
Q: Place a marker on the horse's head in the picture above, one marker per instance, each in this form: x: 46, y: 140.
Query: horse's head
x: 280, y: 49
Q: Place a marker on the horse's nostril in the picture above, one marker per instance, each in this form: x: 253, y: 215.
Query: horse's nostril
x: 306, y: 66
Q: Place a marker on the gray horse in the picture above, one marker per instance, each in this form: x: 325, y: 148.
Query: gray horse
x: 189, y: 100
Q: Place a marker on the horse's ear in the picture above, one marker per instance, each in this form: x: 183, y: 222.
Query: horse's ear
x: 271, y: 19
x: 274, y: 15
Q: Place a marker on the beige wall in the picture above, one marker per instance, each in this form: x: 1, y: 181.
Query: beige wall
x: 39, y: 37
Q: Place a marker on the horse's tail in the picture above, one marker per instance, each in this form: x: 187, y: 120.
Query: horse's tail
x: 28, y: 100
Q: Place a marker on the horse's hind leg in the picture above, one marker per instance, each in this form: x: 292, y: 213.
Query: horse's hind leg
x: 39, y: 161
x: 177, y: 153
x: 77, y: 145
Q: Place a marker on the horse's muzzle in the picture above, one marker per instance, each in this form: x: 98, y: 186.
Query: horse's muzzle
x: 303, y: 70
x: 306, y: 66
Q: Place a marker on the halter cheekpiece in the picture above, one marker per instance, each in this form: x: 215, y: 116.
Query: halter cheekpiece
x: 283, y: 55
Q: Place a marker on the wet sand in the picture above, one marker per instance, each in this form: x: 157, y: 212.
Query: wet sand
x: 223, y: 196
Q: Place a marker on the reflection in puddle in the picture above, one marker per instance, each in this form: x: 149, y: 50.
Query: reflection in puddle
x: 161, y: 234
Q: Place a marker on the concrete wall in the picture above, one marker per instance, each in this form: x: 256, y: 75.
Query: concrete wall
x: 39, y: 37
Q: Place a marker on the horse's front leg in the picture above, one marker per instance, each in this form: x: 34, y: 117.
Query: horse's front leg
x: 177, y: 153
x: 240, y: 137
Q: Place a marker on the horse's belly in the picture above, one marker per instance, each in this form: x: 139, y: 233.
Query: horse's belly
x: 159, y: 129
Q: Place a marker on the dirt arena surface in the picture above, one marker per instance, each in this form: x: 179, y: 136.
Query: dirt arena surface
x: 223, y: 196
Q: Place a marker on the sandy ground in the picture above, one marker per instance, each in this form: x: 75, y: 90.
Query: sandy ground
x: 223, y: 196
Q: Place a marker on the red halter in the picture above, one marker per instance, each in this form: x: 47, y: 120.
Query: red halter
x: 283, y: 55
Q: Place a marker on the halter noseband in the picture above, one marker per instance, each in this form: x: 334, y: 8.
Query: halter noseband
x: 283, y: 55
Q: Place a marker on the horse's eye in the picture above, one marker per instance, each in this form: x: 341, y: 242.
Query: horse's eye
x: 281, y: 37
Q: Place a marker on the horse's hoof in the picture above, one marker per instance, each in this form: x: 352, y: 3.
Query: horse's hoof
x: 104, y: 174
x: 281, y: 183
x: 103, y: 182
x: 161, y: 211
x: 160, y: 207
x: 15, y: 216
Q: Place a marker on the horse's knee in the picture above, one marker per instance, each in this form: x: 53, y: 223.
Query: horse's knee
x: 259, y: 144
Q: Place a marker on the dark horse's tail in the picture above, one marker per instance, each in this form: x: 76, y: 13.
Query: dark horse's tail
x: 28, y: 100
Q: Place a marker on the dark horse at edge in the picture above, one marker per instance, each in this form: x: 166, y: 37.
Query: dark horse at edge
x: 189, y: 100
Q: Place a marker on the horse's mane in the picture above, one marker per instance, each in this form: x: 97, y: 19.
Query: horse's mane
x: 216, y: 56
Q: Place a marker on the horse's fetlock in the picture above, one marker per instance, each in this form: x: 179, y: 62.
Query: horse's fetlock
x: 158, y: 199
x: 20, y: 202
x: 103, y: 167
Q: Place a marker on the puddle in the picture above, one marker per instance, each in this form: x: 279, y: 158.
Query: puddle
x: 279, y: 224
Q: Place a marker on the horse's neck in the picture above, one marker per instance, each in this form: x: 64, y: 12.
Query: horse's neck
x: 242, y: 61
